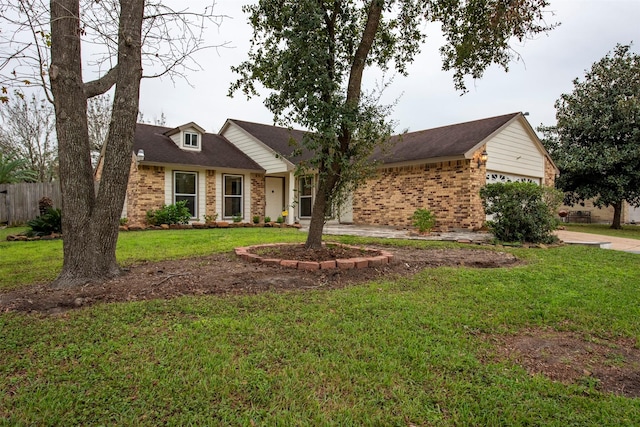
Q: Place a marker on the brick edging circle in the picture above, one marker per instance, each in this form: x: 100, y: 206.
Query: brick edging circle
x: 384, y: 257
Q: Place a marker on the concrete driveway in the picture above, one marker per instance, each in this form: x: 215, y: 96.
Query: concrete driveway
x: 605, y: 242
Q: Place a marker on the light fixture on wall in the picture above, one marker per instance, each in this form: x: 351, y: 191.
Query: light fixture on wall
x: 482, y: 160
x: 140, y: 155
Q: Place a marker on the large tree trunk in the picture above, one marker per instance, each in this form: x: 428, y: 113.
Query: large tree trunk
x: 333, y: 170
x: 617, y: 216
x: 90, y: 220
x: 314, y: 238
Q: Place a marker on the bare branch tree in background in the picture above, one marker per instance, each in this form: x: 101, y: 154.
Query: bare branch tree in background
x: 122, y: 38
x: 28, y: 132
x: 98, y: 119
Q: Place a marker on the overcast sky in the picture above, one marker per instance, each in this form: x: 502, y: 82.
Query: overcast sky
x: 426, y: 98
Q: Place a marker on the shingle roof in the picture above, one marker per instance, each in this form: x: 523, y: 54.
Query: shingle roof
x: 447, y: 141
x: 279, y: 139
x: 216, y: 151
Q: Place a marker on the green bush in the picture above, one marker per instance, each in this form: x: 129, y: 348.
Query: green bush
x: 424, y: 219
x: 210, y: 218
x: 47, y: 223
x: 177, y: 213
x: 522, y: 211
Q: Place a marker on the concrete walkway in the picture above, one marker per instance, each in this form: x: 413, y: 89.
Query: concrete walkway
x: 399, y: 233
x: 568, y: 237
x: 604, y: 242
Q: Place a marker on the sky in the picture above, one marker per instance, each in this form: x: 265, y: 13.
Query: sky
x: 426, y: 98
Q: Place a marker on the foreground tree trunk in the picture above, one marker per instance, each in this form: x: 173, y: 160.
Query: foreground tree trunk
x: 331, y: 169
x: 90, y: 218
x: 617, y: 216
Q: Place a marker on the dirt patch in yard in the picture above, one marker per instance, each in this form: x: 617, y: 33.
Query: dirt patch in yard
x: 608, y: 366
x: 223, y: 274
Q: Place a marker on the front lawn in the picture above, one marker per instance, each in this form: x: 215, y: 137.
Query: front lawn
x: 416, y: 351
x: 40, y: 261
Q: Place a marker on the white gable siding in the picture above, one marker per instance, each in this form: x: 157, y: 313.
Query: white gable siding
x: 176, y: 138
x: 512, y: 151
x: 255, y: 150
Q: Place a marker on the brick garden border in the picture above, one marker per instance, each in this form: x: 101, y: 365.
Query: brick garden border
x: 384, y: 257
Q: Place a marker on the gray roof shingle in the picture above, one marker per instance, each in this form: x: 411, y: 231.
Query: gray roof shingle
x: 216, y: 151
x: 446, y: 141
x: 283, y: 141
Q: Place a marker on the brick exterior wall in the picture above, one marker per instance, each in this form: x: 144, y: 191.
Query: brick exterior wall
x: 549, y: 173
x: 258, y: 197
x: 145, y: 191
x: 449, y: 189
x: 210, y: 184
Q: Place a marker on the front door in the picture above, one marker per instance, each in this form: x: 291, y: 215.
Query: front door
x: 274, y: 197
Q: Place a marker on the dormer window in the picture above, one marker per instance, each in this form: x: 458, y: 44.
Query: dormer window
x: 190, y: 140
x: 187, y: 137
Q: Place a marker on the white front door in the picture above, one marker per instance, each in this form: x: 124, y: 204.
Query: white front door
x: 274, y: 197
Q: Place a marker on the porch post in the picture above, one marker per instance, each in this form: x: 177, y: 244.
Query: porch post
x: 291, y: 197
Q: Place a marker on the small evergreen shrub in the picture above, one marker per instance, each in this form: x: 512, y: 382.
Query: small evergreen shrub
x: 177, y: 213
x: 424, y: 219
x: 280, y: 220
x: 522, y: 211
x: 256, y: 219
x: 210, y: 218
x: 267, y: 219
x: 44, y: 204
x: 237, y: 218
x: 48, y: 223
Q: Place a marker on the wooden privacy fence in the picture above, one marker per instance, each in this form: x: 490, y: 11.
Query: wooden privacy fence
x: 19, y: 202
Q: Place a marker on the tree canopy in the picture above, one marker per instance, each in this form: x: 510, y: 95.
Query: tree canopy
x: 596, y: 141
x: 311, y: 55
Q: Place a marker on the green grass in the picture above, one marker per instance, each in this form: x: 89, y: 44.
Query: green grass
x: 628, y: 231
x: 389, y: 352
x: 40, y: 261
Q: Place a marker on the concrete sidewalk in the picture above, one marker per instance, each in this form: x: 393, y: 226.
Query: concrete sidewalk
x: 568, y: 237
x: 604, y: 242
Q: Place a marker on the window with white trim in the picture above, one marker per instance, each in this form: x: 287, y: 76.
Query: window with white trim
x: 305, y: 196
x: 191, y: 140
x: 233, y: 196
x: 185, y: 187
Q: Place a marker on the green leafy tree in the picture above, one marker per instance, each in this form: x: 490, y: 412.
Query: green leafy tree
x: 311, y: 55
x: 15, y: 170
x: 596, y: 142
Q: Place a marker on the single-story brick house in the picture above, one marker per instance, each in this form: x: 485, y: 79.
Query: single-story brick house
x: 247, y: 170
